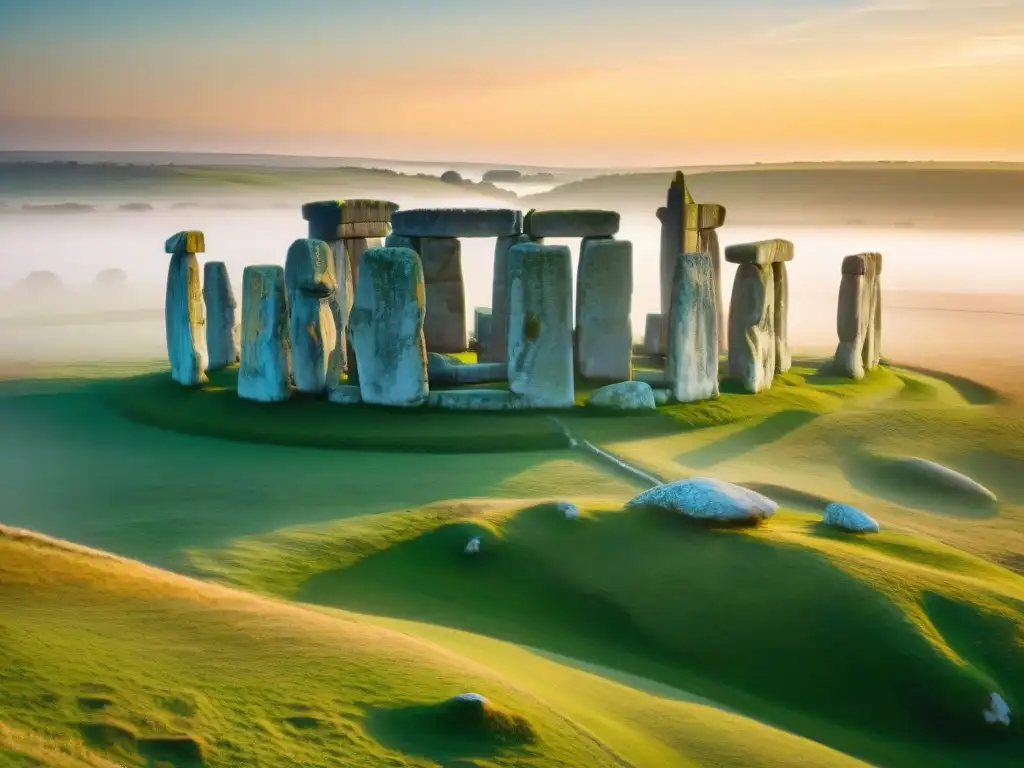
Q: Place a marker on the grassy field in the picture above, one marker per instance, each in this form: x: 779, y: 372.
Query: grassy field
x: 335, y: 611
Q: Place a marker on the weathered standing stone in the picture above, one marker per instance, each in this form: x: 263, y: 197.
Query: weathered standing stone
x: 692, y: 364
x: 184, y: 313
x: 386, y: 328
x: 482, y: 331
x: 752, y: 327
x: 444, y: 327
x: 264, y: 373
x: 783, y: 358
x: 458, y: 222
x: 497, y: 349
x: 859, y: 316
x: 571, y: 223
x: 540, y: 364
x: 709, y: 244
x: 313, y: 315
x: 604, y: 296
x: 222, y: 328
x: 652, y: 336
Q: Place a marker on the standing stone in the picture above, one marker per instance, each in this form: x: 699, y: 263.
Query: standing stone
x: 313, y: 310
x: 540, y: 364
x: 444, y: 327
x: 692, y: 364
x: 264, y: 373
x: 859, y: 316
x: 386, y: 327
x: 652, y: 336
x: 752, y: 327
x: 222, y: 328
x: 184, y: 314
x: 482, y: 328
x: 604, y: 296
x: 780, y: 277
x: 497, y: 349
x: 709, y: 244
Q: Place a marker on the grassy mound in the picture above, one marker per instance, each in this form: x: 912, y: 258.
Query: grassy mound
x: 197, y: 674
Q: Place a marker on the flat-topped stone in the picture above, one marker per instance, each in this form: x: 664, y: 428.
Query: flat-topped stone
x: 264, y: 372
x: 571, y: 223
x: 863, y: 264
x: 190, y: 241
x: 222, y: 328
x: 458, y: 222
x: 761, y: 252
x: 340, y: 219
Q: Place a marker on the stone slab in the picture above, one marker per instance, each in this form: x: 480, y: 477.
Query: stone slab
x: 692, y: 361
x: 479, y: 400
x: 458, y: 222
x: 653, y: 346
x: 190, y: 241
x: 571, y: 223
x: 345, y: 394
x: 223, y: 332
x: 604, y: 297
x: 185, y: 320
x: 497, y: 348
x: 752, y: 327
x: 761, y: 252
x: 264, y: 371
x: 444, y: 326
x: 783, y: 356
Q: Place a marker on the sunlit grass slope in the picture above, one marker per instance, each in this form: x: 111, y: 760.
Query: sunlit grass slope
x: 887, y: 647
x: 147, y: 668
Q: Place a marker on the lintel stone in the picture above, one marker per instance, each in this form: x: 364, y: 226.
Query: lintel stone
x: 571, y: 223
x: 190, y: 241
x: 458, y: 222
x: 331, y: 220
x: 760, y: 253
x: 863, y: 264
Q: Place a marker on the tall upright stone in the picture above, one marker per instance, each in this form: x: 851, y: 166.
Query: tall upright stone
x: 222, y: 327
x: 686, y: 227
x: 604, y: 297
x: 652, y: 335
x: 753, y: 314
x: 692, y: 360
x: 497, y: 349
x: 264, y: 372
x: 313, y: 310
x: 184, y: 313
x: 444, y: 327
x: 386, y: 328
x: 540, y: 357
x: 783, y: 356
x: 482, y: 331
x: 859, y: 316
x: 709, y: 244
x: 349, y: 227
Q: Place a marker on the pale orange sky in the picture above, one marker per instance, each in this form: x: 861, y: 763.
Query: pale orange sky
x: 653, y: 82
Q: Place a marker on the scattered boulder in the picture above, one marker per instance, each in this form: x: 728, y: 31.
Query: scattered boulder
x: 568, y: 510
x: 473, y: 546
x: 998, y: 711
x: 707, y: 499
x: 624, y: 396
x: 847, y: 518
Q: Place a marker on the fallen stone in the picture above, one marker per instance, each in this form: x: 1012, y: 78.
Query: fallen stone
x: 858, y: 316
x: 760, y: 253
x: 752, y: 327
x: 264, y: 372
x: 497, y: 348
x: 704, y: 498
x: 479, y: 400
x: 948, y: 478
x: 604, y: 297
x: 848, y: 518
x: 780, y: 277
x: 482, y: 331
x: 184, y: 310
x: 624, y: 396
x: 331, y: 220
x: 444, y: 326
x: 442, y: 369
x: 568, y: 510
x: 458, y: 222
x: 653, y: 346
x: 345, y: 394
x: 692, y: 361
x: 571, y: 223
x: 223, y: 332
x: 998, y: 711
x: 312, y: 326
x: 472, y: 547
x: 540, y: 349
x: 386, y: 328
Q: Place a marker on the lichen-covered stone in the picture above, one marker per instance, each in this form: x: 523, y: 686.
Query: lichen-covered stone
x: 222, y: 327
x: 331, y: 220
x: 859, y: 316
x: 540, y: 364
x: 191, y: 241
x: 709, y: 244
x: 458, y: 222
x: 604, y: 297
x: 313, y: 315
x: 847, y: 518
x: 345, y: 394
x: 624, y: 396
x: 691, y: 364
x: 783, y: 357
x: 479, y: 400
x: 444, y: 326
x: 752, y: 327
x: 386, y: 328
x: 571, y: 223
x: 653, y: 346
x: 497, y: 348
x: 264, y: 372
x: 185, y: 319
x: 760, y: 253
x: 704, y: 498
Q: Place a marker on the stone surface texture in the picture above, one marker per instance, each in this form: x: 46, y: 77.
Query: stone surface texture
x: 604, y: 297
x: 859, y: 316
x: 386, y: 328
x: 780, y: 278
x: 223, y: 331
x: 331, y: 220
x: 482, y: 318
x: 313, y: 316
x: 444, y: 326
x: 571, y: 223
x: 760, y: 253
x: 345, y: 394
x: 184, y: 310
x: 752, y: 328
x: 624, y: 396
x: 540, y: 348
x: 848, y: 518
x: 458, y: 222
x: 691, y: 365
x: 264, y: 372
x: 479, y: 400
x: 497, y: 348
x: 653, y: 346
x: 704, y: 498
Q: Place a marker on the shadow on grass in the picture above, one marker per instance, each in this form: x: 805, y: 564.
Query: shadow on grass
x: 773, y: 428
x: 971, y: 391
x: 791, y: 497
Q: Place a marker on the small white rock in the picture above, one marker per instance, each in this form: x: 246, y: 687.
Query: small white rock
x: 998, y: 711
x: 706, y: 498
x: 470, y: 697
x: 849, y: 518
x: 567, y: 508
x: 473, y: 546
x: 624, y: 396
